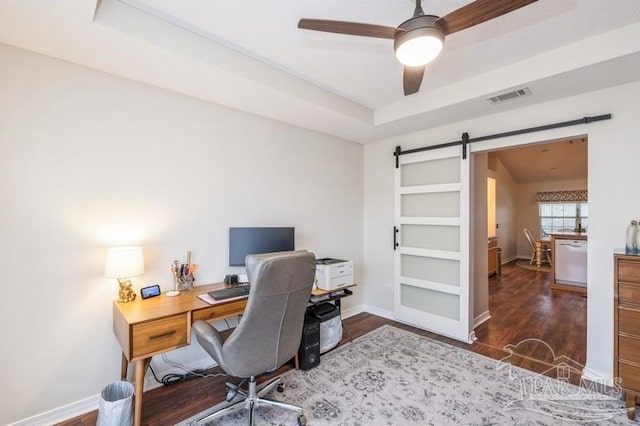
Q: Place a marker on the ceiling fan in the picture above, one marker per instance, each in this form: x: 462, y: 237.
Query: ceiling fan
x: 419, y: 40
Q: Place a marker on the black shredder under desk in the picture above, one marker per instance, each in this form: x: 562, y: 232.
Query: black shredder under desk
x: 324, y: 311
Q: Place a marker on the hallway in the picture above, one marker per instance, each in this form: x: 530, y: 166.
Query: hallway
x: 523, y: 306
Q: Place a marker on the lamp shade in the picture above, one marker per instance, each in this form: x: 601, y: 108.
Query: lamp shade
x: 124, y: 262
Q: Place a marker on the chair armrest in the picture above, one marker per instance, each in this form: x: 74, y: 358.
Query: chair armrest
x: 210, y: 340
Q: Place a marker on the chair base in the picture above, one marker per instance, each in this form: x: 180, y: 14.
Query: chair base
x: 253, y: 400
x: 545, y: 257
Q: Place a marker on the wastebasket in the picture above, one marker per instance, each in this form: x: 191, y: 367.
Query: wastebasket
x: 116, y: 405
x: 330, y: 325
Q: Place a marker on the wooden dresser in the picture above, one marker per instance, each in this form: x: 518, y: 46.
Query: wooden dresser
x: 493, y: 255
x: 627, y: 326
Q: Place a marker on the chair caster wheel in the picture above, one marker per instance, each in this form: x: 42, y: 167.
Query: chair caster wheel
x: 280, y: 387
x: 230, y: 395
x: 302, y: 420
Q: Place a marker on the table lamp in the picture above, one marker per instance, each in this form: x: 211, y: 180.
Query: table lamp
x: 124, y: 263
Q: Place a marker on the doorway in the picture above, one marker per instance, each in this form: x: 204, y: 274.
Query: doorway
x: 522, y: 303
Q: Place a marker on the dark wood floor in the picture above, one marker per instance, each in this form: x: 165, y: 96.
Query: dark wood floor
x: 522, y: 306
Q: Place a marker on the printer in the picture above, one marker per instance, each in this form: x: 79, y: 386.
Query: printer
x: 332, y: 274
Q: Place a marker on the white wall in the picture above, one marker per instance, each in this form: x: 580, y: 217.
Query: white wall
x: 89, y: 161
x: 613, y: 154
x: 527, y: 207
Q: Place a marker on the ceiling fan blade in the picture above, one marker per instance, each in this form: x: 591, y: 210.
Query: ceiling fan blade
x: 477, y: 12
x: 412, y: 79
x: 350, y: 28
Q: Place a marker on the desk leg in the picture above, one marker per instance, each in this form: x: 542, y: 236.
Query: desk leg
x: 141, y: 369
x: 339, y: 306
x: 124, y: 367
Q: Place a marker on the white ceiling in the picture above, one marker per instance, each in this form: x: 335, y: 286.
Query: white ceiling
x: 251, y: 56
x: 555, y: 161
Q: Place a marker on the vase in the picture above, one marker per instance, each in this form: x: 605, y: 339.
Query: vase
x: 631, y: 244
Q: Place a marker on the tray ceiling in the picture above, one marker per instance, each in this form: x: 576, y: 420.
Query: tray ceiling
x: 251, y: 56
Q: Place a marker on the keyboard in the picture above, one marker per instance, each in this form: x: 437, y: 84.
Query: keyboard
x: 229, y: 292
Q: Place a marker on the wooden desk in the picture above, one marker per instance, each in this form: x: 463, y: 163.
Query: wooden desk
x: 318, y: 295
x: 153, y: 326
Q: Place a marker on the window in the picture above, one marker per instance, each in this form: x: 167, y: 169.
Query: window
x: 556, y: 217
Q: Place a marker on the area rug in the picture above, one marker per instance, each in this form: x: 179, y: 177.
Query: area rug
x: 526, y: 265
x: 394, y: 377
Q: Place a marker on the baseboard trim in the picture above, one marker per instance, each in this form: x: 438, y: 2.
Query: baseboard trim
x: 509, y: 259
x: 63, y: 413
x: 483, y: 317
x: 384, y: 313
x: 346, y: 313
x: 596, y: 376
x: 91, y: 403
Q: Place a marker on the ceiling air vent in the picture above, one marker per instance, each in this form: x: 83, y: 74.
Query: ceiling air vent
x: 510, y: 95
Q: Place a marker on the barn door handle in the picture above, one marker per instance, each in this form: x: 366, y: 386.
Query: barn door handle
x: 395, y: 237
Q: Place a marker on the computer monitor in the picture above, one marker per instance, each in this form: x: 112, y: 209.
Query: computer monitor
x: 245, y: 241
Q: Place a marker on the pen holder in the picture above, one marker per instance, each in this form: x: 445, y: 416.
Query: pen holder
x: 184, y: 283
x: 183, y: 275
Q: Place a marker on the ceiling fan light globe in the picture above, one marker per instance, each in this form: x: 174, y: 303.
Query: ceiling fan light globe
x: 420, y: 42
x: 419, y: 51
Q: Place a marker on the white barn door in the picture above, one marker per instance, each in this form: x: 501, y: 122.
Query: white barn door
x: 431, y: 279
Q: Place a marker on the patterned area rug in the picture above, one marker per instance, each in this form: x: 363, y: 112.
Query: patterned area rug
x: 394, y: 377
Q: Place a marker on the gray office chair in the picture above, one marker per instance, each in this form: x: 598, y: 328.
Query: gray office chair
x: 269, y: 332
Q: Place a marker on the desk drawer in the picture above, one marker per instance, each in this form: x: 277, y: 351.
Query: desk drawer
x: 629, y: 322
x: 629, y: 294
x: 629, y: 272
x: 630, y: 375
x: 220, y: 311
x: 161, y: 334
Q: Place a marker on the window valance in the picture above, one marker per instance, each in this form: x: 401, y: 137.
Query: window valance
x: 562, y: 196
